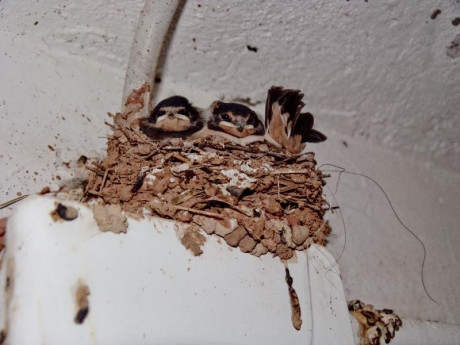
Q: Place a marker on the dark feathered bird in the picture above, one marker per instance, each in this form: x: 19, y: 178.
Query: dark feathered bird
x: 234, y: 119
x: 173, y: 117
x: 285, y: 124
x: 234, y: 122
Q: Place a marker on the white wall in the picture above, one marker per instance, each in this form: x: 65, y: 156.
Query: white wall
x: 372, y: 70
x: 375, y: 74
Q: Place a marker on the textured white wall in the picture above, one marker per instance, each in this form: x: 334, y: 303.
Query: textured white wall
x: 375, y: 74
x: 375, y: 70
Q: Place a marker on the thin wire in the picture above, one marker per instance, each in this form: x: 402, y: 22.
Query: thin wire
x: 311, y: 299
x: 343, y: 171
x: 11, y: 202
x: 344, y: 227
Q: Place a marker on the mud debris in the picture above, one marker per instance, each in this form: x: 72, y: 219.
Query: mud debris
x: 110, y: 218
x: 375, y: 326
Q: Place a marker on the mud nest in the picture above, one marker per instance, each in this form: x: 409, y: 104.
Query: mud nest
x: 375, y: 326
x: 257, y: 197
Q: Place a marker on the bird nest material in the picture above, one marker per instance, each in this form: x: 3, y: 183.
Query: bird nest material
x: 375, y: 326
x: 257, y: 197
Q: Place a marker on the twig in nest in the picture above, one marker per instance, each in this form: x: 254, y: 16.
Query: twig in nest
x: 233, y: 207
x: 291, y: 198
x: 94, y: 192
x: 330, y: 207
x: 268, y: 153
x: 203, y: 213
x: 197, y: 149
x: 286, y: 189
x: 171, y: 148
x: 109, y: 124
x: 98, y: 165
x: 223, y: 153
x: 124, y: 127
x: 239, y: 148
x: 286, y: 172
x: 151, y: 154
x: 181, y: 158
x: 104, y: 179
x: 95, y: 170
x: 245, y: 149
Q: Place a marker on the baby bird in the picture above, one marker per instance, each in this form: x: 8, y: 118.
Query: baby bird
x: 234, y: 122
x: 286, y: 125
x: 173, y: 117
x: 234, y: 119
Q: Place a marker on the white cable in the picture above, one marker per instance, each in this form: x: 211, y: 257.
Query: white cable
x: 153, y: 26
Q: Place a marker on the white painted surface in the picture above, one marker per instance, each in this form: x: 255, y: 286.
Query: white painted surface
x: 328, y: 300
x: 146, y: 288
x: 381, y: 261
x: 415, y: 332
x: 379, y: 73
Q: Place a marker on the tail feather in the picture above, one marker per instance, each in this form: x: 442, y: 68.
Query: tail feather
x: 285, y: 122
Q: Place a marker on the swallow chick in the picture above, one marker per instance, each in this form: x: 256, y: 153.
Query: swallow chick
x: 286, y: 125
x: 235, y: 122
x: 173, y: 117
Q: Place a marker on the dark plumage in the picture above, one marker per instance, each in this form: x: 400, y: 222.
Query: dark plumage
x: 234, y: 119
x: 173, y: 117
x: 285, y: 123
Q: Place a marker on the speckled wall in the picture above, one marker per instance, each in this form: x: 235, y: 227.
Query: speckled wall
x: 382, y: 76
x: 387, y: 71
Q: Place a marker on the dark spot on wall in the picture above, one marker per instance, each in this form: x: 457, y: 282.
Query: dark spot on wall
x: 252, y: 48
x: 157, y: 79
x: 82, y: 161
x: 435, y: 14
x: 456, y: 21
x: 45, y: 190
x: 453, y: 50
x: 36, y: 23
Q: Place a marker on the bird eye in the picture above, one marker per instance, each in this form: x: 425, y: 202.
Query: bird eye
x: 183, y: 112
x: 225, y: 117
x: 161, y: 113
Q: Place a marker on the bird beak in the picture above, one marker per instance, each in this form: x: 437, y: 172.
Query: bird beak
x: 240, y: 126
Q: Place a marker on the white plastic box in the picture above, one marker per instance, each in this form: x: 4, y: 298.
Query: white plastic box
x: 146, y: 288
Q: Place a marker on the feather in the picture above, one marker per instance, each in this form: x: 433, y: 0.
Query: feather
x: 286, y: 125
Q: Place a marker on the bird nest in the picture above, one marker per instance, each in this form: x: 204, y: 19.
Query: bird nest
x: 375, y: 326
x: 258, y: 197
